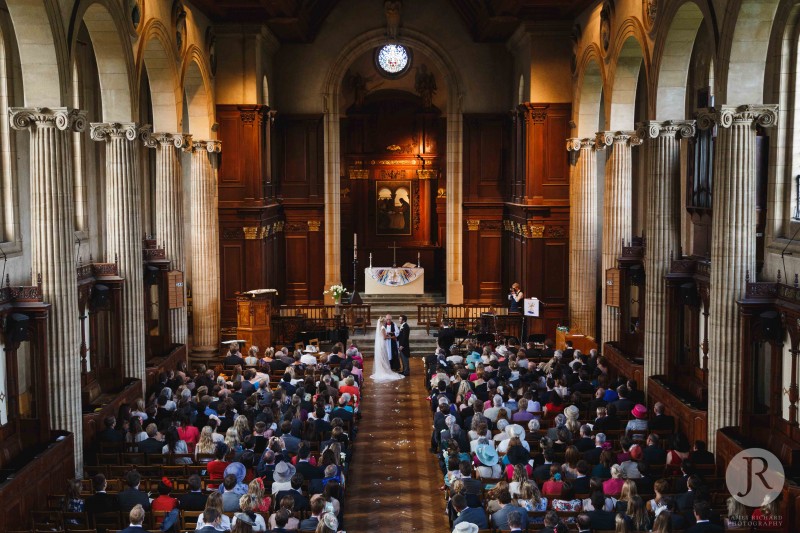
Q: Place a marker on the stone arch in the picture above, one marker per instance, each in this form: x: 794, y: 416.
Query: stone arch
x: 745, y: 42
x: 672, y: 57
x: 442, y: 61
x: 628, y: 58
x: 38, y: 29
x: 198, y: 93
x: 156, y: 56
x: 590, y: 92
x: 108, y: 29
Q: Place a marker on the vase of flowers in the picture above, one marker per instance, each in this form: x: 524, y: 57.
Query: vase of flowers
x: 336, y: 291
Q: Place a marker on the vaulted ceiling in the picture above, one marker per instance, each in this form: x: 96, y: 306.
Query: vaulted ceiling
x: 298, y: 21
x: 496, y: 20
x: 291, y: 21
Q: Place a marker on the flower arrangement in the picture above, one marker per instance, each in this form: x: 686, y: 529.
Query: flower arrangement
x: 337, y: 291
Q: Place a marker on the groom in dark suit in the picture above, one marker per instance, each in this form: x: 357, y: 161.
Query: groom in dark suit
x: 402, y: 343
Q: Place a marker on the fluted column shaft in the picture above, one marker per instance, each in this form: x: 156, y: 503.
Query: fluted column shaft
x: 663, y: 232
x: 617, y: 221
x: 583, y: 237
x: 53, y: 256
x: 124, y: 234
x: 205, y: 247
x: 169, y: 213
x: 733, y: 251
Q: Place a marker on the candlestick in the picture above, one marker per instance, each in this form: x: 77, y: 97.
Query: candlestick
x: 418, y: 263
x: 355, y: 240
x: 370, y: 259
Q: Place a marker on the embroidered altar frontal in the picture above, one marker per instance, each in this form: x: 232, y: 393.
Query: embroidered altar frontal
x: 397, y: 280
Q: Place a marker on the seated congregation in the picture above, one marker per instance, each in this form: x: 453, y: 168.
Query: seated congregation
x: 531, y: 439
x: 266, y: 448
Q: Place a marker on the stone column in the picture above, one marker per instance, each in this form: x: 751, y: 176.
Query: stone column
x: 662, y: 233
x: 205, y: 247
x: 583, y: 237
x: 169, y: 212
x: 124, y: 234
x: 618, y: 206
x: 53, y: 256
x: 733, y: 251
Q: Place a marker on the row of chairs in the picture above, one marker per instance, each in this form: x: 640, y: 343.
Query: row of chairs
x: 83, y: 522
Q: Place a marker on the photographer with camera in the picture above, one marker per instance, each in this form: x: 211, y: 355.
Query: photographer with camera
x: 515, y: 297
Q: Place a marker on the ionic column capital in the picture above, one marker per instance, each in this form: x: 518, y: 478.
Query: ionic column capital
x: 166, y: 140
x: 63, y: 118
x: 575, y: 144
x: 608, y: 138
x: 725, y: 116
x: 104, y: 131
x: 683, y: 129
x: 210, y: 146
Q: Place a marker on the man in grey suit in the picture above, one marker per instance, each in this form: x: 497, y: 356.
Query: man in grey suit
x: 402, y: 343
x: 500, y: 518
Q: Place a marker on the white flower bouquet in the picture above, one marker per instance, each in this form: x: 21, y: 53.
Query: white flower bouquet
x: 337, y: 291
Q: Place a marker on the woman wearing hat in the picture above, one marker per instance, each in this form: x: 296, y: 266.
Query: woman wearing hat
x: 248, y: 515
x: 487, y: 461
x: 637, y: 426
x: 513, y: 430
x: 282, y: 477
x: 630, y: 468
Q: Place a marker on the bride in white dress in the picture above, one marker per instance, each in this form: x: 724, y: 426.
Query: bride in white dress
x: 382, y: 370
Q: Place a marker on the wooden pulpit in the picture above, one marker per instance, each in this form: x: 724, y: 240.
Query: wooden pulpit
x: 253, y: 311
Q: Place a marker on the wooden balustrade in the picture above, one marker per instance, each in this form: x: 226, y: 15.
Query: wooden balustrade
x: 468, y: 316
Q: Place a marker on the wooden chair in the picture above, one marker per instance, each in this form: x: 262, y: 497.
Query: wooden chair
x: 112, y: 447
x: 133, y: 458
x: 189, y: 519
x: 55, y: 502
x: 89, y: 471
x: 75, y: 521
x: 46, y: 519
x: 108, y: 458
x: 107, y: 521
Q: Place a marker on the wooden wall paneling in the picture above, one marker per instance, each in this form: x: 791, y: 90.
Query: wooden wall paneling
x: 231, y: 186
x: 232, y: 279
x: 487, y: 153
x: 489, y: 260
x: 555, y: 171
x: 299, y: 156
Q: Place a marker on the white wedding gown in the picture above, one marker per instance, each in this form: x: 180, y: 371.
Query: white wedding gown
x: 381, y: 369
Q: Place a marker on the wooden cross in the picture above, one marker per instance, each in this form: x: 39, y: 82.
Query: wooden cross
x: 394, y: 254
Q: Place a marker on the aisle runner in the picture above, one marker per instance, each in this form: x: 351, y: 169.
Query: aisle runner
x: 394, y: 481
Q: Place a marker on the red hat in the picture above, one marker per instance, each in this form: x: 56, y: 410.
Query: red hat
x: 639, y: 411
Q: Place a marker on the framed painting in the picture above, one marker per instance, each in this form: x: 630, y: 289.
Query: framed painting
x: 393, y: 207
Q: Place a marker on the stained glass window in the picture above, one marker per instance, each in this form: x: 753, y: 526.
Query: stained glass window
x: 393, y: 59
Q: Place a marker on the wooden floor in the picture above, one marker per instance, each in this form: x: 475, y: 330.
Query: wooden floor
x: 394, y: 481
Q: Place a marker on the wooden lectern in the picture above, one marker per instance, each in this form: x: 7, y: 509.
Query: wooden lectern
x: 253, y: 311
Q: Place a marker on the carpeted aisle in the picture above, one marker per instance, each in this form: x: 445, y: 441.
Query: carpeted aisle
x: 394, y: 480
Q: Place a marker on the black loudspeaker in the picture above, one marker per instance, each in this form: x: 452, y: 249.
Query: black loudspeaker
x: 771, y: 325
x: 17, y: 328
x: 637, y: 275
x: 689, y: 296
x: 150, y: 275
x: 461, y: 333
x: 101, y: 297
